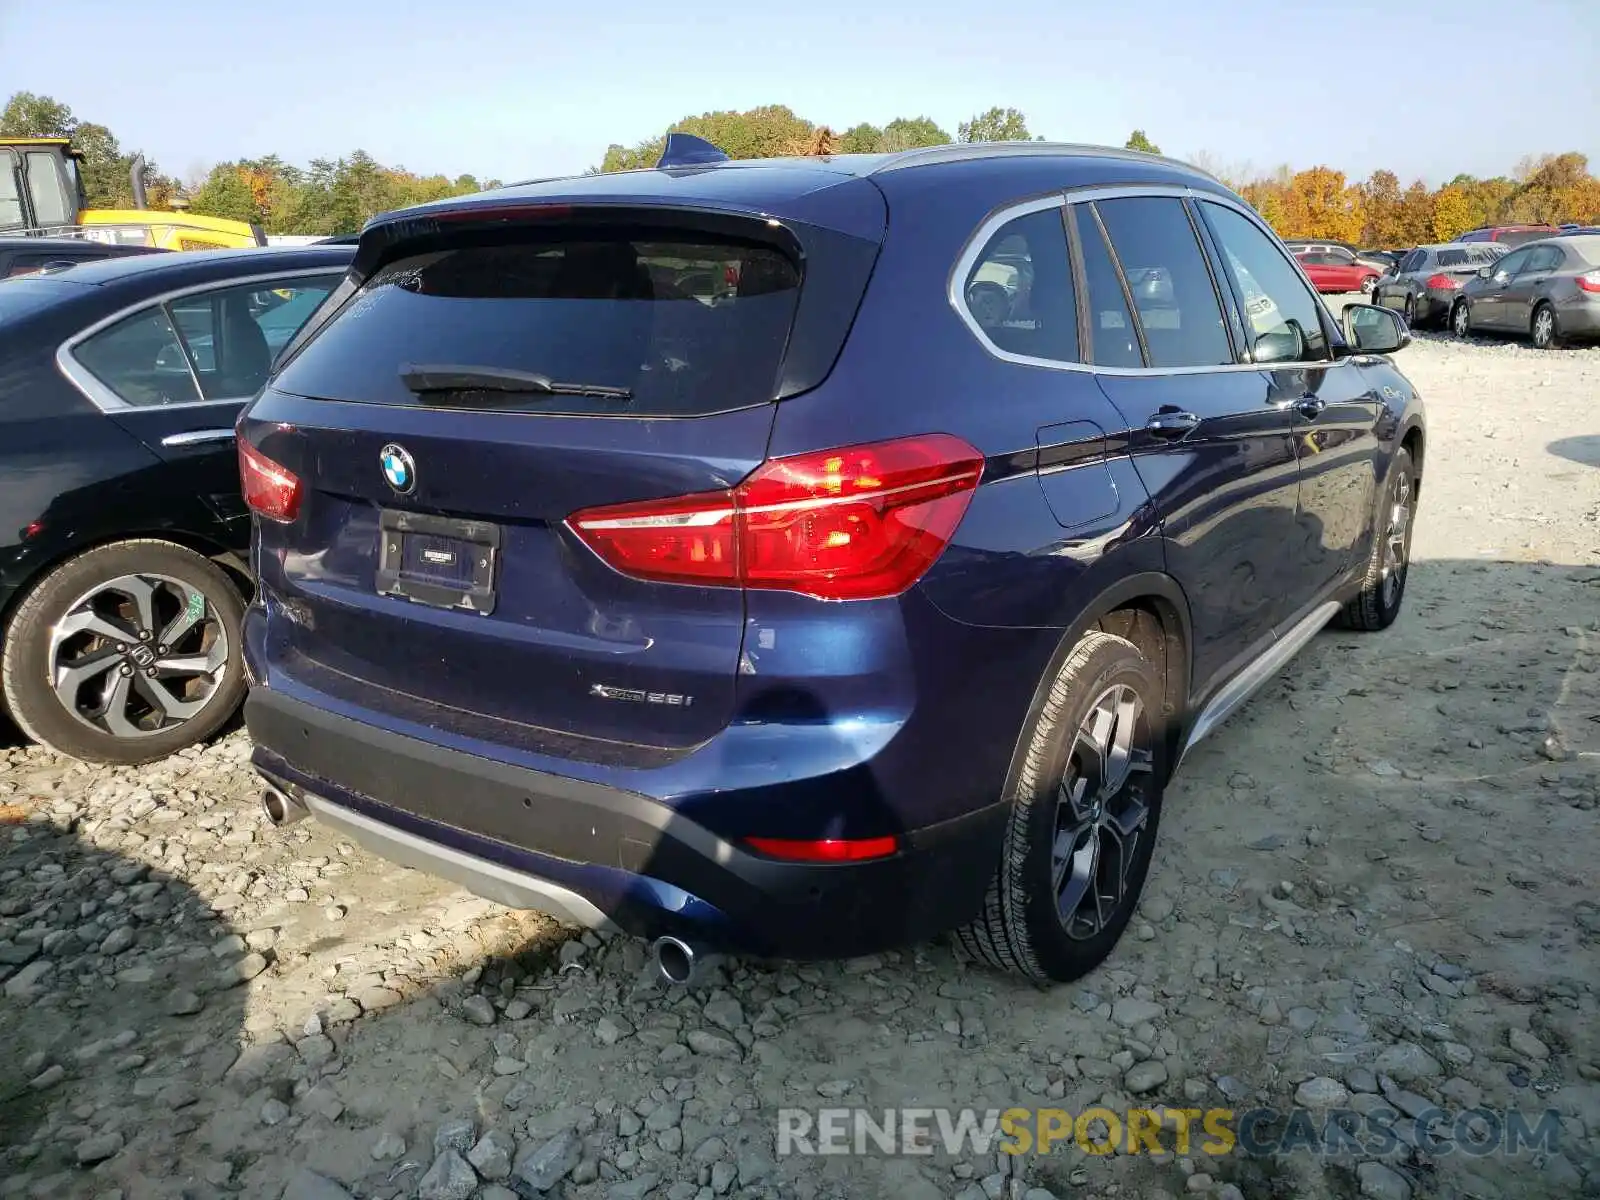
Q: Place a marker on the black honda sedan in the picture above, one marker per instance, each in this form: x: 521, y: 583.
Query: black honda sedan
x: 123, y: 537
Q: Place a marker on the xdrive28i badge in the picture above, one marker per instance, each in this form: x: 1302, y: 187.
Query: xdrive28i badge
x: 398, y: 468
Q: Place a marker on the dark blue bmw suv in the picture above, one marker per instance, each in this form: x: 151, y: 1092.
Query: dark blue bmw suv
x: 803, y: 557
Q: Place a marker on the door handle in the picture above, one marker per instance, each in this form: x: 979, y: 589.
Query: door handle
x: 1310, y: 407
x: 1172, y: 424
x: 197, y: 437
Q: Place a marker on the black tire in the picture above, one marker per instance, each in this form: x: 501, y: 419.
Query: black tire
x: 1020, y: 928
x: 1542, y: 327
x: 1409, y: 311
x: 1461, y: 320
x: 211, y: 682
x: 1383, y: 589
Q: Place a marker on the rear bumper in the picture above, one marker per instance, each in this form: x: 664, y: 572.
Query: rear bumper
x: 1434, y: 305
x: 1579, y: 317
x: 597, y: 855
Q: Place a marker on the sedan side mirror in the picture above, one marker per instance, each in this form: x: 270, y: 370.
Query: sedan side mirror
x: 1373, y: 330
x: 1485, y: 272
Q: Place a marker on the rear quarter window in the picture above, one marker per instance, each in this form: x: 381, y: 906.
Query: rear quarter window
x: 686, y: 323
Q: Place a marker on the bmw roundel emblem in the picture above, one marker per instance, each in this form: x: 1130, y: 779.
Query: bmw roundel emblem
x: 398, y: 468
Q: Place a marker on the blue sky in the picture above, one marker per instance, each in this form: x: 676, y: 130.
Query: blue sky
x: 511, y: 91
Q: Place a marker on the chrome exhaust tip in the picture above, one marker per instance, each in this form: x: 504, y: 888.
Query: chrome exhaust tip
x: 681, y: 963
x: 282, y: 809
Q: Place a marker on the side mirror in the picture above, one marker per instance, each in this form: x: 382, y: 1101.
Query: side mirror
x: 1485, y: 272
x: 1373, y: 330
x: 1285, y: 344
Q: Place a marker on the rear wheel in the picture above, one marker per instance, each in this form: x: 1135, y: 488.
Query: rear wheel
x: 1384, y: 587
x: 1368, y: 284
x: 1410, y: 311
x: 126, y: 653
x: 1083, y: 818
x: 1461, y: 320
x: 1543, y: 328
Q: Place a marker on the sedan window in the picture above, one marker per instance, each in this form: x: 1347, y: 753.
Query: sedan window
x: 1511, y: 264
x: 129, y: 358
x: 233, y: 334
x: 1544, y: 258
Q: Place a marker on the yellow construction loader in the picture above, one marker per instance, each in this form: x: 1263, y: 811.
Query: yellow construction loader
x: 41, y: 192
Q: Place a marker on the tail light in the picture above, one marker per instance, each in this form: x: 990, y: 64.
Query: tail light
x: 824, y: 850
x: 858, y: 523
x: 271, y: 490
x: 1589, y: 281
x: 1447, y: 283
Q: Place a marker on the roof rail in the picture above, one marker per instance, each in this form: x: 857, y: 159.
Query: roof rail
x: 686, y: 150
x: 959, y: 151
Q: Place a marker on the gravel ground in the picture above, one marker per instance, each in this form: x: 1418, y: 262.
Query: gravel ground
x: 1374, y: 889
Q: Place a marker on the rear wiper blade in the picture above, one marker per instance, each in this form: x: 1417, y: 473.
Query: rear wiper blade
x: 426, y: 379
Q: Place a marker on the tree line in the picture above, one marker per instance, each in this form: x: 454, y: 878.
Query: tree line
x: 330, y: 196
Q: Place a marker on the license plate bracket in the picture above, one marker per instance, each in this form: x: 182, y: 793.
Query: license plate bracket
x: 438, y: 561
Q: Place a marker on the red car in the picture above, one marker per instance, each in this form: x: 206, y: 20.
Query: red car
x: 1331, y: 272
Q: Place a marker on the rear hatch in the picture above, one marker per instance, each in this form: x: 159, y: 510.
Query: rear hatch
x: 487, y: 375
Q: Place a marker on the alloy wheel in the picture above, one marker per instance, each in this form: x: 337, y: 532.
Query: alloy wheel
x: 1544, y: 328
x: 1101, y: 812
x: 138, y: 655
x: 1460, y: 321
x: 1411, y: 310
x: 1394, y: 540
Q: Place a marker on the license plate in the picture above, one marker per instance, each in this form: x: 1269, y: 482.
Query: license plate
x: 438, y: 561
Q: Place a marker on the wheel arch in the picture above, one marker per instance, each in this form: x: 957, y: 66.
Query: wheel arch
x: 228, y: 560
x: 1116, y: 610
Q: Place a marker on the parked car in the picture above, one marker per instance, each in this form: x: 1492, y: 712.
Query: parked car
x: 1566, y: 230
x: 1337, y: 272
x: 739, y: 626
x: 1430, y: 279
x: 1342, y: 252
x: 1385, y: 260
x: 1548, y: 291
x: 35, y: 255
x: 1509, y: 235
x: 122, y: 556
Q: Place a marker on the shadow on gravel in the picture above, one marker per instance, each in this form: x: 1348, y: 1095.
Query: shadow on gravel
x: 450, y: 1054
x: 119, y: 1009
x: 1583, y: 449
x: 10, y: 736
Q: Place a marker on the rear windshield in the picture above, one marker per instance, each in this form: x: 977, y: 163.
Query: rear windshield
x: 1516, y: 237
x: 682, y: 324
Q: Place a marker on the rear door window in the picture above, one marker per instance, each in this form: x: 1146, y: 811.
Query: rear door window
x: 133, y: 358
x: 1019, y: 291
x: 1543, y: 258
x: 1113, y: 340
x: 639, y: 322
x: 233, y: 334
x: 1171, y: 285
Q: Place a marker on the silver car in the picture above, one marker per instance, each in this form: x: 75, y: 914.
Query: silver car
x: 1426, y: 282
x: 1548, y: 290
